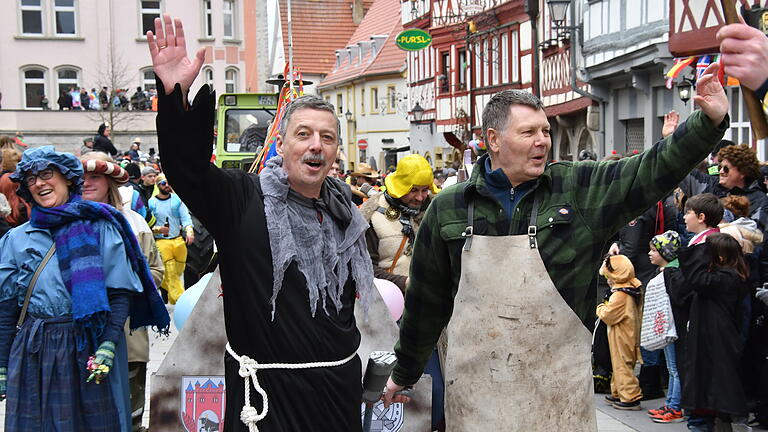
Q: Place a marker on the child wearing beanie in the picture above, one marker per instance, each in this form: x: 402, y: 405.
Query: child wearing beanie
x: 621, y: 313
x: 663, y: 253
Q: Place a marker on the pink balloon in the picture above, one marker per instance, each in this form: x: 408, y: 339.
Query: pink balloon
x: 392, y: 297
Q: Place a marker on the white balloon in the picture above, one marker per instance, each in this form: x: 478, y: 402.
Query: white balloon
x: 188, y: 300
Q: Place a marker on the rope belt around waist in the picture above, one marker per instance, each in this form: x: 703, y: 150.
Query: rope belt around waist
x: 248, y: 369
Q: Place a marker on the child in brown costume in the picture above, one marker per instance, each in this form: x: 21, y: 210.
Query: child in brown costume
x: 621, y: 313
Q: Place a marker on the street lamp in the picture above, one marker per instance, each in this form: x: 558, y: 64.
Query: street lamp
x: 558, y: 10
x: 348, y: 115
x: 684, y: 90
x: 418, y: 112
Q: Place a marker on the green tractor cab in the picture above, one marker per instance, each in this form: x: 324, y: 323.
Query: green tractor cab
x: 242, y: 123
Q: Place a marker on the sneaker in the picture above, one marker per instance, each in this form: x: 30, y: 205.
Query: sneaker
x: 671, y: 416
x: 658, y: 412
x: 627, y: 406
x: 610, y: 400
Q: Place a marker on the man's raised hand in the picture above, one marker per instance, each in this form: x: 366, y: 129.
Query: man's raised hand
x: 169, y: 55
x: 744, y: 54
x: 710, y: 95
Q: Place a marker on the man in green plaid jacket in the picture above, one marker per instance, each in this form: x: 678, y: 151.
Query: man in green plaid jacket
x: 581, y: 205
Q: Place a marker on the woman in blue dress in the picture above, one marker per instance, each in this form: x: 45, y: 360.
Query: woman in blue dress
x: 95, y: 279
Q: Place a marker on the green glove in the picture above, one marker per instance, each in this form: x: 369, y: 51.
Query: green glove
x: 3, y: 382
x: 100, y: 363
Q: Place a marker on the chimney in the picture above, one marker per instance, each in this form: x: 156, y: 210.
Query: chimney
x: 357, y: 11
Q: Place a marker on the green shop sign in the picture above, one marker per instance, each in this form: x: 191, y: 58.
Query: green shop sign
x: 413, y: 40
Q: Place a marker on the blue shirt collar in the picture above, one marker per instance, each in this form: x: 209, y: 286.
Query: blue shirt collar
x: 496, y: 179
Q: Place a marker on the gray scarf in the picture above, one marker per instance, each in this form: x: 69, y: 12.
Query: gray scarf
x: 326, y: 251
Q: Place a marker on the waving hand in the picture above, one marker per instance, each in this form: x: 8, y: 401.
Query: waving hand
x: 169, y: 55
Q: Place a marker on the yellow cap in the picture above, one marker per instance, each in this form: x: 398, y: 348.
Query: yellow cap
x: 412, y: 170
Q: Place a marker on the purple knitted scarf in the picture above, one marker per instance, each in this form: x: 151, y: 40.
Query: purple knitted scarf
x: 78, y: 251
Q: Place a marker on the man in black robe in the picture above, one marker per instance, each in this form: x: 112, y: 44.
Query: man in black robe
x: 292, y: 253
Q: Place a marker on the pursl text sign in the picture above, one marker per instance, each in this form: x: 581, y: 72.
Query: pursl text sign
x: 413, y: 40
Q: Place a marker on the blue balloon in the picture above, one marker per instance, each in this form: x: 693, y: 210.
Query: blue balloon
x: 188, y: 300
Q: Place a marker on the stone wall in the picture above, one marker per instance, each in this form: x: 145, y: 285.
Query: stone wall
x: 67, y: 129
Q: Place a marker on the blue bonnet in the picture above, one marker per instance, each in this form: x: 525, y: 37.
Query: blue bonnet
x: 37, y: 159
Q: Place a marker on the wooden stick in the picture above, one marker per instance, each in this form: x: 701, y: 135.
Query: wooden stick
x: 754, y: 107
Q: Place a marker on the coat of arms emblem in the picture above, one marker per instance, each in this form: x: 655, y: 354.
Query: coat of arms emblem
x: 386, y: 419
x: 202, y: 403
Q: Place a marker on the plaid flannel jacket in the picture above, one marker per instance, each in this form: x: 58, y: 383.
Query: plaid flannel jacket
x: 582, y: 204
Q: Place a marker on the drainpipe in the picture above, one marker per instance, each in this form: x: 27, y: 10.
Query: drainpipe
x: 575, y: 36
x: 532, y: 9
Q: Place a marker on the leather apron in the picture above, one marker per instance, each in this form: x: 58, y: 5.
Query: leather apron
x: 518, y: 358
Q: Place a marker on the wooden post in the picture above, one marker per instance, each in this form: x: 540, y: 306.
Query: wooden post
x: 754, y: 107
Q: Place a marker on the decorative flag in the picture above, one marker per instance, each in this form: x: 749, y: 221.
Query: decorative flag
x: 679, y: 65
x: 702, y: 65
x: 287, y: 94
x: 729, y: 81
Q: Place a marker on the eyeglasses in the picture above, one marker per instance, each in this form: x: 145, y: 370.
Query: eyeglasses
x: 45, y: 174
x: 162, y: 183
x: 724, y: 168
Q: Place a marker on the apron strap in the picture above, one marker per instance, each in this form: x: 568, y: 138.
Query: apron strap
x: 468, y: 232
x: 532, y: 224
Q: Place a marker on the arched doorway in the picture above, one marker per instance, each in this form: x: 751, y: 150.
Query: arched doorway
x: 585, y: 141
x: 565, y: 153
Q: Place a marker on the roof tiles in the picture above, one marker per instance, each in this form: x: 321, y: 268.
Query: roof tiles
x: 383, y: 19
x: 318, y: 27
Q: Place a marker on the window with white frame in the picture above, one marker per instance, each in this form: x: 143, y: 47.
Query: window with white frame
x: 444, y: 80
x: 477, y: 66
x: 64, y: 17
x: 148, y: 80
x: 339, y: 103
x: 149, y: 11
x: 515, y: 58
x: 229, y: 19
x: 391, y: 99
x: 207, y: 19
x: 31, y: 17
x: 374, y: 100
x: 362, y: 100
x: 496, y: 61
x: 463, y: 69
x: 740, y: 130
x: 208, y: 76
x: 486, y: 64
x: 505, y: 58
x: 66, y: 80
x: 34, y: 87
x: 230, y: 81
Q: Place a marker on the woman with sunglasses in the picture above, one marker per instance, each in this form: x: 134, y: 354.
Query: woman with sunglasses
x: 69, y: 278
x: 738, y: 173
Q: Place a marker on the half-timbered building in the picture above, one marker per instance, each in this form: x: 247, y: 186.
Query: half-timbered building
x: 692, y: 29
x: 624, y: 58
x: 479, y: 47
